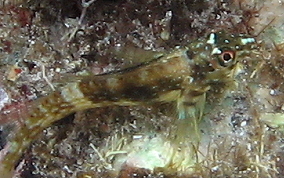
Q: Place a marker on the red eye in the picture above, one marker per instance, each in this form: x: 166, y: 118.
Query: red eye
x: 226, y: 58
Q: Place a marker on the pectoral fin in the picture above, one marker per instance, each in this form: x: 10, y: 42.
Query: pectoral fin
x: 189, y: 113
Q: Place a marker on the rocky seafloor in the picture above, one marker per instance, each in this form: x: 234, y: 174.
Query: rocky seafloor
x: 46, y: 44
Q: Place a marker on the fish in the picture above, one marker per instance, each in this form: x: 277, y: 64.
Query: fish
x: 183, y: 76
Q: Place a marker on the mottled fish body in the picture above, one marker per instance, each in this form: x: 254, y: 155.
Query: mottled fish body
x: 183, y: 76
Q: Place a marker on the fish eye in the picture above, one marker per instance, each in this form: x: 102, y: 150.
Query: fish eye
x: 226, y: 58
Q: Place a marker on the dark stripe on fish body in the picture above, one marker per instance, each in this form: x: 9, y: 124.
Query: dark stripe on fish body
x: 141, y: 84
